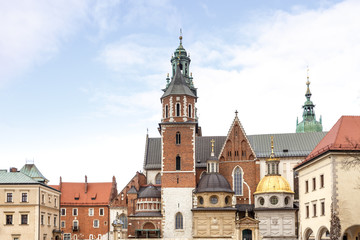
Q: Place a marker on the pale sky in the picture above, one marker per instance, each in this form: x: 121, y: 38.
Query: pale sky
x: 80, y: 81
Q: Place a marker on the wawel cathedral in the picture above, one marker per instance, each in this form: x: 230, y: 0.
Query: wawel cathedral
x: 235, y: 186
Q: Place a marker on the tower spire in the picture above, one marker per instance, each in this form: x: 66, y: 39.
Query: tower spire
x: 180, y: 37
x: 309, y: 123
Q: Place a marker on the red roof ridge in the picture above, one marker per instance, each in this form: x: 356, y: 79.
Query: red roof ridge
x: 340, y: 137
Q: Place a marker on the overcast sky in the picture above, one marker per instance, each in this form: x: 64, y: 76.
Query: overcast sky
x: 80, y: 81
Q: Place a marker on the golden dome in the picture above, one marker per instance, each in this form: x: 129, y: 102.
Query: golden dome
x: 273, y: 184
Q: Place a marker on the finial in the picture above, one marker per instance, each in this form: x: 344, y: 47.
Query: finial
x: 236, y: 113
x: 212, y: 146
x: 180, y: 37
x: 307, y: 71
x: 147, y: 131
x: 167, y: 75
x: 191, y: 74
x: 272, y: 155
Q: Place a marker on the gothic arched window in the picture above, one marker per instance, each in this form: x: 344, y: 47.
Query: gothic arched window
x: 178, y: 109
x: 158, y: 179
x: 124, y: 219
x: 179, y: 221
x: 178, y: 138
x: 238, y: 181
x: 178, y: 162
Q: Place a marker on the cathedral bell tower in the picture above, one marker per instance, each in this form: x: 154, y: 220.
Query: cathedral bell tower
x: 178, y: 129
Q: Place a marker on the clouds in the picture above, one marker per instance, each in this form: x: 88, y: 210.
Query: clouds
x: 32, y: 32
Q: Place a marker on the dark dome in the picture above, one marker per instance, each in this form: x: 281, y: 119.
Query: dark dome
x: 150, y: 192
x: 213, y: 182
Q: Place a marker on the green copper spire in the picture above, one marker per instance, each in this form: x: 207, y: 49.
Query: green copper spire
x: 182, y: 59
x: 309, y: 123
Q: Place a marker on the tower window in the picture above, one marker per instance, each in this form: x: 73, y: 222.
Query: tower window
x: 238, y: 181
x: 166, y: 111
x: 179, y: 221
x: 178, y: 138
x: 178, y: 109
x: 189, y: 111
x: 178, y: 162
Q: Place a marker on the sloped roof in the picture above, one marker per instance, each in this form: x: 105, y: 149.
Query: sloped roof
x: 15, y: 178
x: 343, y: 136
x: 213, y: 182
x: 32, y: 171
x: 285, y: 145
x: 150, y: 192
x: 97, y: 193
x: 178, y: 86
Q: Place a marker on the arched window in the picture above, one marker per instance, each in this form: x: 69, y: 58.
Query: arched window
x: 238, y: 178
x: 91, y: 237
x: 123, y: 218
x: 158, y: 179
x: 179, y: 221
x: 178, y: 109
x: 189, y: 111
x: 178, y: 162
x: 178, y: 138
x: 166, y: 111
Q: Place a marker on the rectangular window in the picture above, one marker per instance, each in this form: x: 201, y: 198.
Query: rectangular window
x: 43, y: 198
x: 63, y: 212
x: 322, y: 181
x: 9, y: 197
x: 55, y: 220
x: 24, y: 219
x: 178, y: 163
x: 91, y: 212
x: 322, y: 208
x: 75, y: 225
x: 9, y: 219
x: 307, y: 212
x: 306, y: 186
x: 96, y: 223
x: 24, y: 197
x: 42, y: 220
x: 67, y: 236
x: 55, y: 202
x: 314, y: 208
x: 62, y: 224
x: 314, y: 184
x: 49, y: 220
x: 101, y: 212
x: 75, y: 212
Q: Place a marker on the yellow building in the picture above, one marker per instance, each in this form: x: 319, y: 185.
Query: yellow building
x: 29, y: 208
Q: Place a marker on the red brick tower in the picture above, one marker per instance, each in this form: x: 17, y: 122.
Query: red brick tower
x: 178, y: 129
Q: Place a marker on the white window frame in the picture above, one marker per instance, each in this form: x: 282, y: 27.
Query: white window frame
x: 77, y: 213
x: 98, y: 223
x: 12, y: 197
x: 61, y: 211
x: 103, y: 210
x: 91, y: 212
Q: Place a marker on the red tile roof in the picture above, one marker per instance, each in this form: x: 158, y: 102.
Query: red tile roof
x: 343, y: 136
x: 97, y: 193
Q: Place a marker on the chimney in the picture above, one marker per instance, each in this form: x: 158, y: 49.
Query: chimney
x: 60, y: 184
x: 86, y: 184
x: 13, y: 169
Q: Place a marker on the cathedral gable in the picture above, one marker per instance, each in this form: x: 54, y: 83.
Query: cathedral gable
x: 236, y: 146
